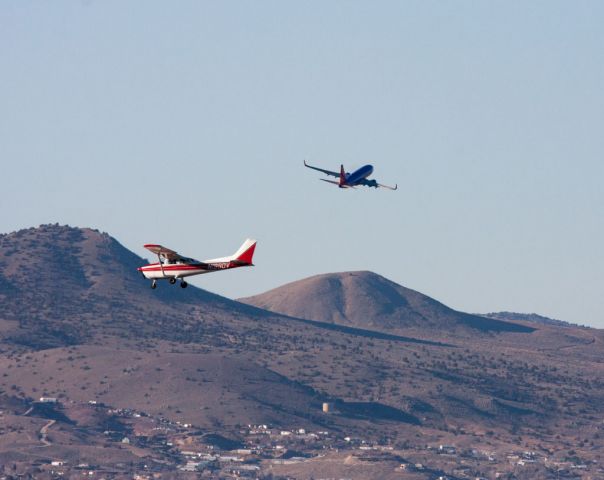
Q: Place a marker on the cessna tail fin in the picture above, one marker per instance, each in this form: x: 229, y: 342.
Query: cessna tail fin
x: 244, y: 255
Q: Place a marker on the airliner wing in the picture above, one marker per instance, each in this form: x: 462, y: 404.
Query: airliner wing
x: 326, y: 172
x: 163, y: 251
x: 329, y: 181
x: 336, y: 183
x: 374, y: 183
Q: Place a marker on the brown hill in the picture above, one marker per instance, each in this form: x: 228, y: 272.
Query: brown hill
x: 201, y: 388
x: 61, y: 285
x: 78, y: 323
x: 367, y: 300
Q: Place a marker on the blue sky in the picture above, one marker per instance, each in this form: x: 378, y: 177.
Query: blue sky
x: 186, y: 124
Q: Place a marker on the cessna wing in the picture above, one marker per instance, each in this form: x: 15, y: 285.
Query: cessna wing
x: 163, y: 252
x: 327, y: 172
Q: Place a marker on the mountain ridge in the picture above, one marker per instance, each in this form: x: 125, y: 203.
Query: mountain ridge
x: 530, y: 317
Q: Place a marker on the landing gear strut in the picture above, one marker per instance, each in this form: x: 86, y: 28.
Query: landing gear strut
x: 153, y: 284
x: 183, y: 284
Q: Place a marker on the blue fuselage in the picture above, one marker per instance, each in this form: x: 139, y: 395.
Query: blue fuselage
x: 362, y: 173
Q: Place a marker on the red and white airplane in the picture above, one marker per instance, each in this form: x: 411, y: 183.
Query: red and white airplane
x: 173, y: 266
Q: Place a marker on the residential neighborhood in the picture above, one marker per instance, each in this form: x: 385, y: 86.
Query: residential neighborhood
x: 266, y: 451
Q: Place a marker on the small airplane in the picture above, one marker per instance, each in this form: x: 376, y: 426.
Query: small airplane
x: 173, y: 266
x: 351, y: 180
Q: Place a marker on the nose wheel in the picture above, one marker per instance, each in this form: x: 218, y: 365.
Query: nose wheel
x: 183, y: 284
x: 153, y: 284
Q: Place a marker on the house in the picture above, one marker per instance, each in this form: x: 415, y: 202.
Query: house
x: 191, y: 466
x: 447, y: 449
x: 48, y: 400
x: 243, y: 451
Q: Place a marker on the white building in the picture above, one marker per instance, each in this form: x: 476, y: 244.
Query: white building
x: 48, y: 400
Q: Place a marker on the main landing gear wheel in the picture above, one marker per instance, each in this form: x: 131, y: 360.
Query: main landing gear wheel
x: 183, y: 284
x: 172, y: 281
x: 153, y: 284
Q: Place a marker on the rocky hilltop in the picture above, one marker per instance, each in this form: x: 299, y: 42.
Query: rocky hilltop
x: 368, y: 300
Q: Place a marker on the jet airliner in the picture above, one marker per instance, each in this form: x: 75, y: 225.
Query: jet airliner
x: 351, y: 180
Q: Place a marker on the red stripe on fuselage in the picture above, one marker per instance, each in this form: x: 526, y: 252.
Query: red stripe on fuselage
x: 167, y: 268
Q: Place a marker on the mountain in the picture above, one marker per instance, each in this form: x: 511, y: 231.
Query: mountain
x: 63, y: 288
x: 79, y: 324
x: 367, y: 300
x: 62, y: 285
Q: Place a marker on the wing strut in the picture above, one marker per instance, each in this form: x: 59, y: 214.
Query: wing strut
x: 161, y: 265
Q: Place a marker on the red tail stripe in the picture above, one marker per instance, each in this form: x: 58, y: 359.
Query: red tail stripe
x: 247, y: 255
x: 342, y: 175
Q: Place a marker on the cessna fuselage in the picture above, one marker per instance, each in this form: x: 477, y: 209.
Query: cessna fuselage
x: 181, y: 269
